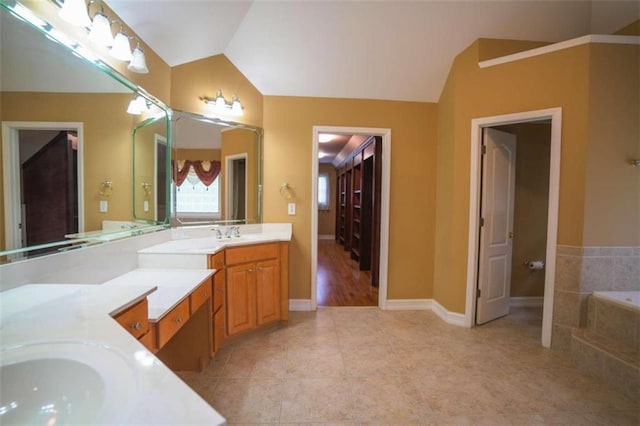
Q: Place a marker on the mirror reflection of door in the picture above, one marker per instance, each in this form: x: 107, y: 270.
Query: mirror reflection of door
x: 236, y: 188
x: 160, y: 176
x: 49, y: 185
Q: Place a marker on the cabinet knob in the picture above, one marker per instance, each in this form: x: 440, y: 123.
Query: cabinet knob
x: 179, y: 320
x: 250, y: 269
x: 206, y: 294
x: 136, y: 326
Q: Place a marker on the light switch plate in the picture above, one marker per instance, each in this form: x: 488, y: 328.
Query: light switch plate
x: 104, y: 206
x: 291, y: 209
x: 146, y: 205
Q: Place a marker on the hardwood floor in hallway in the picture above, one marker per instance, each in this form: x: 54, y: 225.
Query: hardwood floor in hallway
x: 340, y: 282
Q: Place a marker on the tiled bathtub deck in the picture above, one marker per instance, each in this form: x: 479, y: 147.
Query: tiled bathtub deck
x: 357, y: 366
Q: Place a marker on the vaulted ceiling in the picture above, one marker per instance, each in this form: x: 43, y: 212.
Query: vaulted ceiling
x: 396, y: 50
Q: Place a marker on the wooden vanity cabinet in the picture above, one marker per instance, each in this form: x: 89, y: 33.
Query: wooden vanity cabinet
x: 256, y: 289
x: 135, y: 319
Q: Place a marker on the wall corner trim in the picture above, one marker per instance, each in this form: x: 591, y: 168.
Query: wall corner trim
x: 453, y: 318
x: 300, y: 305
x: 592, y: 38
x: 408, y: 304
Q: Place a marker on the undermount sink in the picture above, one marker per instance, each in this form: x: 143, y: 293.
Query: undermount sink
x: 64, y: 383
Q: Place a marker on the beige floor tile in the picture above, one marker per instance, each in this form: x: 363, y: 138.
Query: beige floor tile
x: 358, y: 335
x: 249, y: 361
x: 302, y: 337
x: 373, y: 361
x: 388, y: 400
x: 317, y: 400
x: 248, y: 400
x: 315, y: 361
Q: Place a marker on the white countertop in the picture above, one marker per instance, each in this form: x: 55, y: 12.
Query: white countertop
x: 78, y: 316
x: 173, y: 286
x: 190, y: 247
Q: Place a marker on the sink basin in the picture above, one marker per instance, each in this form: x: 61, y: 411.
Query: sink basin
x: 64, y: 383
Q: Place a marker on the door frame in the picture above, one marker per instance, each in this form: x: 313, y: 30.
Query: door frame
x: 385, y: 134
x: 477, y: 124
x: 228, y: 162
x: 11, y: 174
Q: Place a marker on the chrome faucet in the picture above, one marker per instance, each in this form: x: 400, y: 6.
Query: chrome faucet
x: 218, y: 233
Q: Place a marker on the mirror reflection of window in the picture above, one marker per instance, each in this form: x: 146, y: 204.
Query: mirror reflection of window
x: 199, y: 190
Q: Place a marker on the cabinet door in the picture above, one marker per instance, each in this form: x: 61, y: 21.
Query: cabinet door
x: 268, y: 290
x: 241, y: 298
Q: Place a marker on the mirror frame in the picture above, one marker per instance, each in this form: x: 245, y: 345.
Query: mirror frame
x: 258, y: 132
x: 42, y: 26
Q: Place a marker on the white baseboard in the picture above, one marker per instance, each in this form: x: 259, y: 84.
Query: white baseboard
x: 326, y: 237
x: 526, y: 302
x: 408, y: 304
x: 300, y: 305
x: 453, y: 318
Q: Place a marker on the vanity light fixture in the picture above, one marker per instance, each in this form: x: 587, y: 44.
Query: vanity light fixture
x: 215, y: 107
x: 75, y: 12
x: 121, y: 48
x: 137, y: 106
x: 101, y: 30
x: 138, y: 61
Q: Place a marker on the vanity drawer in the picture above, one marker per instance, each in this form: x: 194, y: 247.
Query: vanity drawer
x: 200, y: 295
x: 216, y: 261
x: 172, y: 322
x: 251, y: 253
x: 135, y: 319
x: 218, y: 290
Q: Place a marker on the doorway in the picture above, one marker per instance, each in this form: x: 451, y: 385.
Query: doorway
x: 42, y: 171
x: 380, y: 262
x: 478, y: 195
x: 160, y: 177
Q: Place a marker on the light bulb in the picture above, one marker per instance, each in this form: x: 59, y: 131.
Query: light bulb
x: 138, y: 63
x: 121, y: 49
x: 75, y: 12
x: 101, y: 30
x: 236, y: 107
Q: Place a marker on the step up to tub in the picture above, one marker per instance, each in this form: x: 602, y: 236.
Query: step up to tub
x: 609, y: 347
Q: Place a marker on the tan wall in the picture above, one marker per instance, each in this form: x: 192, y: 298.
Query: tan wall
x: 204, y: 77
x: 531, y: 206
x: 327, y: 218
x: 288, y: 143
x: 107, y: 143
x: 559, y: 79
x: 612, y: 199
x: 157, y: 82
x: 631, y: 29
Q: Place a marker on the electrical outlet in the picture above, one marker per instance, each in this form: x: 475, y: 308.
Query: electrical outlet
x: 146, y: 205
x: 291, y: 209
x: 104, y: 206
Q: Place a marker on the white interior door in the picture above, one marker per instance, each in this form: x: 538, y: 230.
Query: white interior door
x: 496, y: 234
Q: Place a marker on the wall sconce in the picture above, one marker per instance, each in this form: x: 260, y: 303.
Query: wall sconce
x: 106, y: 187
x: 76, y: 12
x: 146, y: 187
x: 219, y: 106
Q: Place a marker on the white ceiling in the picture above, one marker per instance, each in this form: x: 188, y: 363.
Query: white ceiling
x: 392, y: 50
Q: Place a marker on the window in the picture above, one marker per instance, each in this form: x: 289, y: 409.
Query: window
x: 323, y: 191
x: 195, y: 198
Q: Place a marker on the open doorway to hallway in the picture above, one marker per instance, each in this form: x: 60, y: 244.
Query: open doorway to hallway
x: 354, y: 196
x: 349, y: 180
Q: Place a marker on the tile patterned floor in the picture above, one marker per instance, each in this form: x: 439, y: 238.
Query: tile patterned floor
x: 364, y: 366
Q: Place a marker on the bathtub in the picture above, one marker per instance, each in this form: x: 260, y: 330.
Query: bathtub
x: 630, y: 299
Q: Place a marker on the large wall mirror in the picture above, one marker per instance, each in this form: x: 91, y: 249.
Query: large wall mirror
x: 67, y: 156
x: 216, y: 171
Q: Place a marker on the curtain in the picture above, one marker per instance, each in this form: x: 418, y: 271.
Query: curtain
x: 207, y: 171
